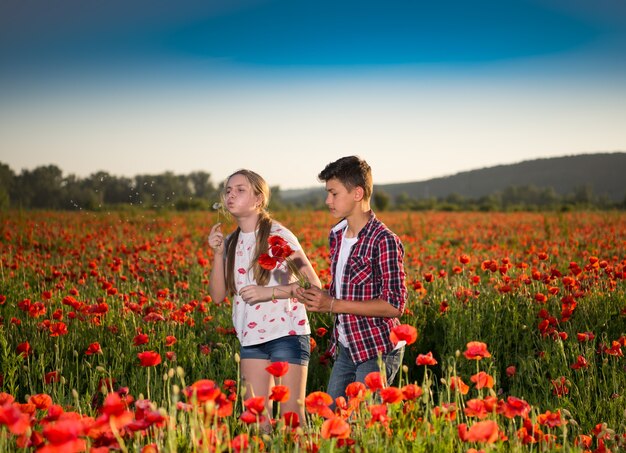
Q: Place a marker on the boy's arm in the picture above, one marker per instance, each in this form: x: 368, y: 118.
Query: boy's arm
x: 393, y: 292
x: 376, y: 307
x: 391, y: 269
x: 317, y: 300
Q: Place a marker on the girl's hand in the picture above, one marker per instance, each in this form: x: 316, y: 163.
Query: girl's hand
x: 254, y: 294
x: 216, y: 239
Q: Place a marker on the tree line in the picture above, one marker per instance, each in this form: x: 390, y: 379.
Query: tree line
x: 46, y: 187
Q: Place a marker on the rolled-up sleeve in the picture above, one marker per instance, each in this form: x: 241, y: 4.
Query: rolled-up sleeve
x: 391, y: 271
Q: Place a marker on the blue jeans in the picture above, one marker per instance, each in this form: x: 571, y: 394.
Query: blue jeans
x: 345, y: 371
x: 294, y: 349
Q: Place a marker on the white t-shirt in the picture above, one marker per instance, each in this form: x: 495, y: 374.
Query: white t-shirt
x: 344, y: 254
x: 269, y: 320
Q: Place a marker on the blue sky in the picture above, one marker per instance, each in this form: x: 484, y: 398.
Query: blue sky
x: 419, y: 89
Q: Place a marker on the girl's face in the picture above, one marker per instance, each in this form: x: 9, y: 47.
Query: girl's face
x: 240, y: 199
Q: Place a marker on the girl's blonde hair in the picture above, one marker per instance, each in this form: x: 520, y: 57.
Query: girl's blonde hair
x: 264, y: 225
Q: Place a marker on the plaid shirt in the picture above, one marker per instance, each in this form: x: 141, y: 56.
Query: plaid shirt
x: 374, y: 270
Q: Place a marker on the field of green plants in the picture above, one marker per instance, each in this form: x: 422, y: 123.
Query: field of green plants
x: 110, y: 341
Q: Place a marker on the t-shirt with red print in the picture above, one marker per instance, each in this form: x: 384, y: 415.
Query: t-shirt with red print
x: 265, y: 321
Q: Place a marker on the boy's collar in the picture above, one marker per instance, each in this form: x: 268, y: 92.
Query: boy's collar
x: 342, y: 224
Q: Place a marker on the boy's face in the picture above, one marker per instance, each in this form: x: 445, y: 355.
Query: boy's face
x: 340, y: 201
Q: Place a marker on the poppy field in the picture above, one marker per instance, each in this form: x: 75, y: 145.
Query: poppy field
x: 516, y: 324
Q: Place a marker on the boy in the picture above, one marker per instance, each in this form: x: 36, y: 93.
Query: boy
x: 368, y: 291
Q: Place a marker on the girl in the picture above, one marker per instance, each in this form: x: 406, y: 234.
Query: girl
x: 271, y: 325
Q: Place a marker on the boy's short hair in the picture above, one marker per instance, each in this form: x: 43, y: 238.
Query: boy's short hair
x: 352, y: 172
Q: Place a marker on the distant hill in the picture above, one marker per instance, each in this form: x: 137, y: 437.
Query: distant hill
x: 603, y: 173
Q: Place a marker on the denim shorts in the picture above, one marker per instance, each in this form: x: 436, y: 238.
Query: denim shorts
x: 295, y: 349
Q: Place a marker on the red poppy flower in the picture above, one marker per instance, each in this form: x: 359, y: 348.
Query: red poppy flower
x: 140, y: 339
x: 336, y: 428
x: 292, y: 420
x: 149, y: 358
x: 94, y: 348
x: 170, y: 340
x: 551, y: 419
x: 581, y: 362
x: 14, y: 419
x: 6, y: 398
x: 476, y: 350
x: 249, y: 418
x: 58, y: 329
x: 374, y: 381
x: 476, y: 408
x: 583, y: 440
x: 321, y: 331
x: 240, y: 443
x: 456, y: 383
x: 615, y: 349
x: 585, y: 336
x: 379, y: 415
x: 482, y: 379
x: 114, y: 404
x: 486, y: 431
x: 278, y: 369
x: 52, y: 376
x: 23, y: 349
x: 267, y: 262
x: 511, y: 371
x: 446, y: 410
x: 256, y: 404
x: 559, y: 386
x: 204, y: 390
x: 280, y: 393
x: 426, y: 359
x: 64, y: 436
x: 41, y: 401
x: 514, y: 407
x: 391, y: 395
x: 317, y: 403
x: 411, y: 392
x: 355, y: 390
x: 278, y: 247
x: 403, y: 332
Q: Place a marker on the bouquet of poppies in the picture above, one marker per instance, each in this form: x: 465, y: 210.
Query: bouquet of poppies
x: 279, y: 254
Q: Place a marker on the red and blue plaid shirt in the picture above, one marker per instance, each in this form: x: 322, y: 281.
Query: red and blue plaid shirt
x: 374, y: 270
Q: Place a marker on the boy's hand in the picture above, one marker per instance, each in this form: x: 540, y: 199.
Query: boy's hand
x: 315, y: 299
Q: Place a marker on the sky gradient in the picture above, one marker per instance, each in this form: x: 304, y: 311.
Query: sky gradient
x: 419, y: 89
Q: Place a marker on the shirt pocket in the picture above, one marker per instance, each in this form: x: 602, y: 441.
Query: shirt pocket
x: 361, y: 270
